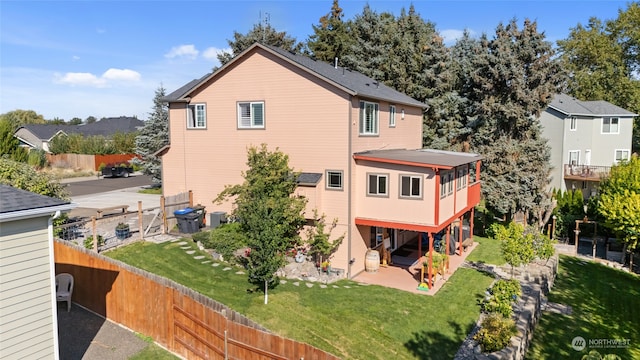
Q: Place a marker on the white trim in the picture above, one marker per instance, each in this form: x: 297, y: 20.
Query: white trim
x: 251, y: 119
x: 38, y: 212
x: 375, y: 121
x: 577, y: 160
x: 615, y: 155
x: 610, y: 132
x: 192, y: 116
x: 392, y: 116
x: 573, y: 123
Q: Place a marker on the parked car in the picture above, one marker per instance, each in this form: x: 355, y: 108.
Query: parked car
x: 117, y: 170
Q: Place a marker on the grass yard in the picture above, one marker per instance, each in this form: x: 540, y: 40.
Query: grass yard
x: 488, y: 251
x: 351, y: 321
x: 606, y: 305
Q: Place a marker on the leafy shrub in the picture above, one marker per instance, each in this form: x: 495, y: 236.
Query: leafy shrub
x: 25, y: 177
x: 88, y: 242
x: 502, y: 295
x: 37, y: 158
x: 495, y: 332
x: 224, y: 239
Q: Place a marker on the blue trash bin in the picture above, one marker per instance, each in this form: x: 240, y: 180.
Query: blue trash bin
x: 185, y: 219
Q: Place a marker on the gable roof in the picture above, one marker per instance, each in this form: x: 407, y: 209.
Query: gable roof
x: 352, y: 82
x: 104, y: 127
x: 571, y: 106
x: 18, y: 203
x: 430, y: 158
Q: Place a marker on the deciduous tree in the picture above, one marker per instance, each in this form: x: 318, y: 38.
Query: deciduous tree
x: 619, y: 203
x: 25, y: 177
x: 269, y: 212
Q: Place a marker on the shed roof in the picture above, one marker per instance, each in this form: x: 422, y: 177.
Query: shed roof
x: 439, y: 159
x: 19, y: 203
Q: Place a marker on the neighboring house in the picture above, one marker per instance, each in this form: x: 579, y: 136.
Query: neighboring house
x: 356, y: 141
x: 28, y: 316
x: 39, y: 136
x: 586, y: 138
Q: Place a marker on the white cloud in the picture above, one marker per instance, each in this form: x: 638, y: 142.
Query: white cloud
x: 75, y: 58
x: 188, y: 51
x: 212, y: 53
x: 81, y: 79
x: 121, y: 74
x: 87, y: 79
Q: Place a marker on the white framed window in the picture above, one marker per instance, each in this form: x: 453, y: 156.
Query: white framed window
x: 334, y: 179
x: 461, y: 182
x: 610, y: 125
x: 369, y: 124
x: 392, y: 116
x: 377, y: 184
x: 574, y: 157
x: 622, y: 154
x: 411, y: 186
x: 251, y: 115
x: 196, y: 116
x: 573, y: 123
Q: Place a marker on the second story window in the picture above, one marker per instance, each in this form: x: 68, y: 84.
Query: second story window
x: 462, y: 179
x: 410, y: 186
x: 377, y: 185
x: 251, y: 115
x: 368, y: 118
x: 574, y: 157
x: 610, y: 125
x: 392, y: 116
x: 334, y: 180
x: 573, y: 123
x: 196, y: 116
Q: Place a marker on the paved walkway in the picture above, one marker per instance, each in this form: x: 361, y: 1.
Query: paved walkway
x: 83, y: 334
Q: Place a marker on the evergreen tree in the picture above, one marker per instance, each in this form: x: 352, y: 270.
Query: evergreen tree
x: 515, y: 80
x: 152, y: 137
x: 330, y: 38
x: 270, y: 214
x: 262, y: 33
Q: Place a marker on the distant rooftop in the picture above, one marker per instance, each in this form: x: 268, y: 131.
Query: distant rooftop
x: 571, y: 106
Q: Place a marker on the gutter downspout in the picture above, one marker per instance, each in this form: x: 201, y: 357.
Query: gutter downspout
x: 349, y: 203
x: 52, y: 273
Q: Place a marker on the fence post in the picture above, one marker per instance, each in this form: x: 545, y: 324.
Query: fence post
x: 140, y: 224
x: 95, y: 233
x: 164, y: 215
x: 190, y: 198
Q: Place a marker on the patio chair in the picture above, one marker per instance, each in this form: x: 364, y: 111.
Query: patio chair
x: 64, y: 288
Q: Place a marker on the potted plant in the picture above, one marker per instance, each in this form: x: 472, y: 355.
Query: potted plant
x: 122, y: 231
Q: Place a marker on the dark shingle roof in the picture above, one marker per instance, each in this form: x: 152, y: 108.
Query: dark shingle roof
x: 14, y: 199
x: 571, y: 106
x: 421, y: 157
x: 104, y: 127
x: 352, y: 81
x: 309, y: 179
x: 46, y: 131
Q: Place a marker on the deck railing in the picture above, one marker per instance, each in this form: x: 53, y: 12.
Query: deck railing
x: 586, y: 172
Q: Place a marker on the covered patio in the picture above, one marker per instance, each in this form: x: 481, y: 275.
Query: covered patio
x: 407, y: 277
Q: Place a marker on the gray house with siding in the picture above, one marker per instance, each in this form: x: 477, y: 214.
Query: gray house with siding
x: 28, y: 309
x: 586, y: 139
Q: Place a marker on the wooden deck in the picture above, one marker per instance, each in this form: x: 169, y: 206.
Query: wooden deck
x: 407, y: 277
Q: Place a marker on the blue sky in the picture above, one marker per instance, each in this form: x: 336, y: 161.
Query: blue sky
x: 70, y: 59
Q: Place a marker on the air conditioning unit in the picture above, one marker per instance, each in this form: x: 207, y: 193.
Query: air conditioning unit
x: 217, y: 218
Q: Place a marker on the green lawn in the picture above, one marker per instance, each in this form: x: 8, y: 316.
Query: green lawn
x: 352, y: 321
x: 488, y: 251
x: 606, y: 305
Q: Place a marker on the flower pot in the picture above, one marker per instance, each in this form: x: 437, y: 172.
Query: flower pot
x: 122, y: 233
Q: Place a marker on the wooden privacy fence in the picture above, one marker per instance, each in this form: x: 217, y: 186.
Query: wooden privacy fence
x: 87, y: 162
x: 172, y: 203
x: 185, y: 322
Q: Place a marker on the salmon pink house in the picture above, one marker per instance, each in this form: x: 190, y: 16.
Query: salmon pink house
x: 356, y: 142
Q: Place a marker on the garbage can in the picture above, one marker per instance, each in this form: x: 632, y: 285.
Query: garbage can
x: 200, y: 210
x: 192, y: 223
x: 183, y: 217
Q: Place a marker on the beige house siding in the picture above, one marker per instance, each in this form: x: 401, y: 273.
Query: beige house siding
x: 27, y: 136
x: 27, y: 324
x: 308, y: 119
